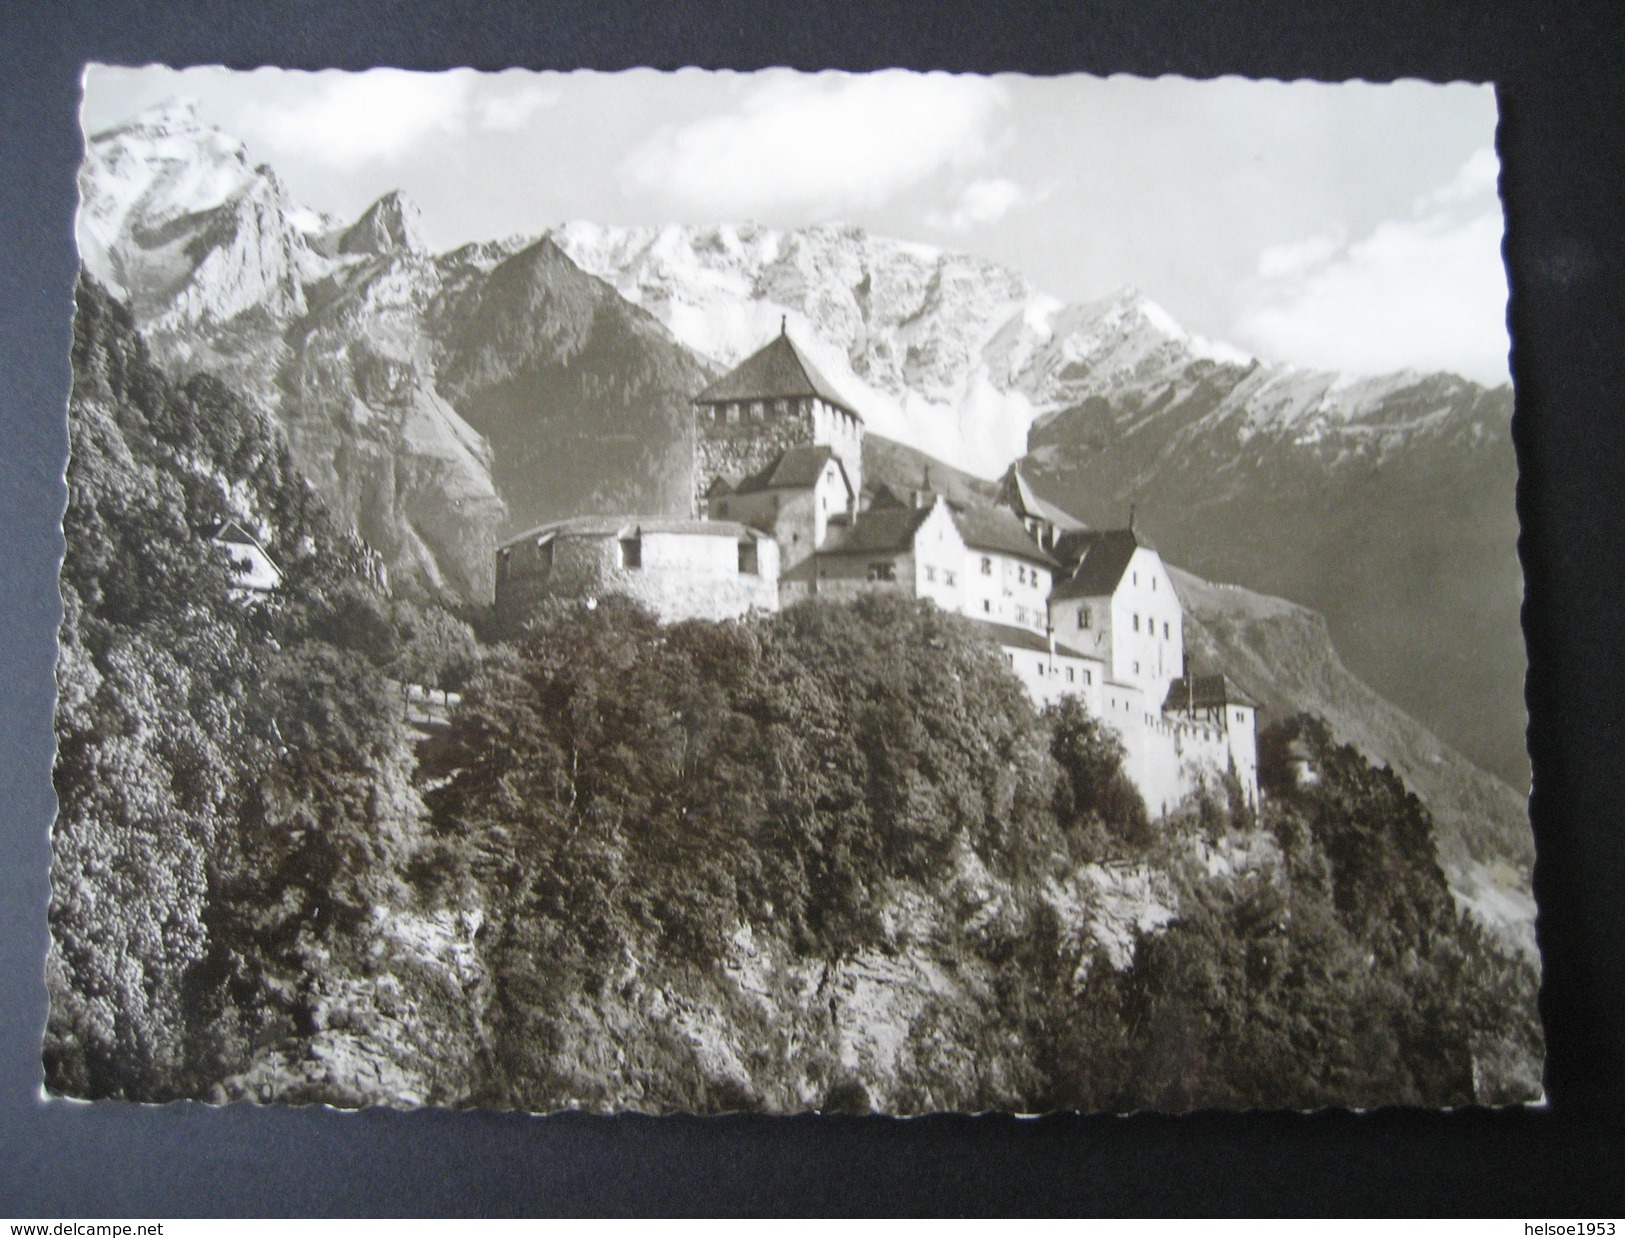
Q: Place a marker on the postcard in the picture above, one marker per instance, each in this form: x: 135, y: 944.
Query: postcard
x: 778, y: 592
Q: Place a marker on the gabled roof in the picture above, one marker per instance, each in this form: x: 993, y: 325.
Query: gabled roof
x: 999, y: 530
x: 777, y: 371
x: 888, y: 531
x: 718, y: 488
x: 233, y: 532
x: 1103, y: 557
x: 796, y: 468
x: 1192, y: 692
x: 1018, y: 495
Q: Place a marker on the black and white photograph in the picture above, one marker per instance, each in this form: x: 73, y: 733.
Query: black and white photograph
x: 710, y: 592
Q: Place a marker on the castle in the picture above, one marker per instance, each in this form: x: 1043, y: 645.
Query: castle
x: 781, y: 514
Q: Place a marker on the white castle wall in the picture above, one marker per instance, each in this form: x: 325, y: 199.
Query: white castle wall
x: 681, y: 574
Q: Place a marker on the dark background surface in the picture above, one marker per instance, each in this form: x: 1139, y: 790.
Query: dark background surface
x: 1561, y: 75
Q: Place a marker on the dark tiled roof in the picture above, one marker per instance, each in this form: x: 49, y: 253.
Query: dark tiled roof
x: 1205, y: 692
x: 1026, y: 638
x: 795, y: 469
x: 718, y: 488
x: 618, y: 526
x: 1103, y: 557
x: 886, y: 531
x: 777, y: 371
x: 999, y: 530
x: 1018, y: 495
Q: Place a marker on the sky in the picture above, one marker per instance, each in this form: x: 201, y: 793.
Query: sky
x: 1346, y: 226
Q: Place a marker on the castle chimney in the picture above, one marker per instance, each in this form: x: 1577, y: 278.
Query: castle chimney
x: 784, y: 324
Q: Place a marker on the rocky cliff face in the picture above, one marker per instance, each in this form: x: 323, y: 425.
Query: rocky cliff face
x: 899, y: 327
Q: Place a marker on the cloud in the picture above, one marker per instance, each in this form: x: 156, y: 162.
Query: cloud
x: 982, y: 202
x: 821, y: 144
x: 1299, y: 258
x: 1426, y: 292
x: 506, y: 113
x: 381, y: 114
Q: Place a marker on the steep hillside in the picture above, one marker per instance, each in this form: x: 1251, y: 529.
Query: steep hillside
x: 583, y: 397
x: 1386, y: 505
x: 905, y: 468
x: 1283, y: 656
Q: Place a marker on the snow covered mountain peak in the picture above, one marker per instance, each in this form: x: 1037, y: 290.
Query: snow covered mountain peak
x: 179, y: 114
x: 176, y: 218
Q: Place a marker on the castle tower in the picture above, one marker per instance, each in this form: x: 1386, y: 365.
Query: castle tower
x: 771, y: 401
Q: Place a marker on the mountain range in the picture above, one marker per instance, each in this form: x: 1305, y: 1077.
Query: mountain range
x: 440, y: 401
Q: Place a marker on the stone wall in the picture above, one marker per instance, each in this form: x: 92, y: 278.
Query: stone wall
x: 738, y: 448
x: 679, y: 575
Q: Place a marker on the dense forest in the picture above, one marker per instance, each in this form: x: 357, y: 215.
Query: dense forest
x: 832, y: 858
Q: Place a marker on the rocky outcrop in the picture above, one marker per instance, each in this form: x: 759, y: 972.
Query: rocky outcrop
x: 1282, y: 655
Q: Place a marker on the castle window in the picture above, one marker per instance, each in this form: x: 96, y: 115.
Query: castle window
x: 1136, y: 578
x: 949, y: 577
x: 1165, y: 631
x: 1021, y: 574
x: 1088, y: 677
x: 747, y: 558
x: 631, y: 552
x: 1136, y: 668
x: 1085, y: 618
x: 1153, y: 584
x: 987, y: 606
x: 930, y: 573
x: 1136, y: 623
x: 1071, y: 675
x: 987, y: 566
x: 781, y: 407
x: 883, y: 571
x: 722, y: 509
x: 733, y: 414
x: 755, y: 410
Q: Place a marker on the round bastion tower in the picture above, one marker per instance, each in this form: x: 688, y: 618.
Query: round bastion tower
x: 773, y: 400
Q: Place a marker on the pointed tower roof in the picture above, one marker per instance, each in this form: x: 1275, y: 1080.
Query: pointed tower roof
x: 777, y: 371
